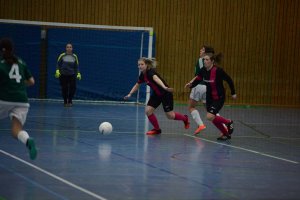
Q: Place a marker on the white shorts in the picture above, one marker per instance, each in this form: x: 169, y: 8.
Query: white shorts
x: 14, y: 109
x: 199, y: 93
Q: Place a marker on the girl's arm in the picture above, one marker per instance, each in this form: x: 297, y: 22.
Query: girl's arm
x: 133, y: 90
x: 161, y: 84
x: 195, y: 81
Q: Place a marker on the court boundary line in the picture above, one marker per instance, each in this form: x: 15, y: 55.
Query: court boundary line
x: 54, y: 176
x: 244, y: 149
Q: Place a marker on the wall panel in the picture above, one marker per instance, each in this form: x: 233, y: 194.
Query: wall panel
x: 260, y: 39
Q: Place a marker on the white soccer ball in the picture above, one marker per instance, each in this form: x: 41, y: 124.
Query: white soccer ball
x: 105, y: 128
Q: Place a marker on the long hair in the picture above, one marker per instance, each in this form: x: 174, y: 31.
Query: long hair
x: 7, y: 49
x: 150, y: 62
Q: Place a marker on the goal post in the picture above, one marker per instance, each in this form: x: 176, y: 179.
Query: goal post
x: 107, y: 57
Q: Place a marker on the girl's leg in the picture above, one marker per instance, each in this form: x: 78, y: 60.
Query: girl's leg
x: 197, y: 94
x: 64, y: 88
x: 153, y: 120
x: 218, y: 122
x: 72, y: 89
x: 196, y: 116
x: 16, y: 128
x: 177, y: 116
x: 22, y: 136
x: 194, y: 112
x: 213, y: 108
x: 227, y: 124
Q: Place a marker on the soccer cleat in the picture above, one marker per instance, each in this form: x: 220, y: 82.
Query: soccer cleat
x: 154, y: 132
x: 199, y: 129
x: 31, y: 147
x: 230, y: 127
x: 224, y: 137
x: 186, y: 122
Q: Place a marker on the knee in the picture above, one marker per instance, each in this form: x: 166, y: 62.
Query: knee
x: 170, y: 115
x: 210, y: 116
x: 191, y: 105
x: 148, y: 111
x: 191, y: 108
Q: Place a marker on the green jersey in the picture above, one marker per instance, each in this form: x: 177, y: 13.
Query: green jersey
x: 12, y: 85
x: 199, y: 65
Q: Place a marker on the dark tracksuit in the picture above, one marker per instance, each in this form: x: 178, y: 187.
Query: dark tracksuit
x: 68, y: 65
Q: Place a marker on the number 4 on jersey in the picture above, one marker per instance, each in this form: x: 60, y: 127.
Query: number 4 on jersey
x: 14, y: 73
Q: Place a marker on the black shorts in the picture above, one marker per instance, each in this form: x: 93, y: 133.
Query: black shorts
x: 166, y: 100
x: 214, y: 106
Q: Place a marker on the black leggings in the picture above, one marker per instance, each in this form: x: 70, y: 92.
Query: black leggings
x: 68, y: 87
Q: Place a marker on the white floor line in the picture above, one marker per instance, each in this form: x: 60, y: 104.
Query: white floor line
x: 244, y: 149
x: 54, y: 176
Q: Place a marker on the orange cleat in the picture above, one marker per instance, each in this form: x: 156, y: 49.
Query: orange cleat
x: 154, y: 132
x: 199, y: 129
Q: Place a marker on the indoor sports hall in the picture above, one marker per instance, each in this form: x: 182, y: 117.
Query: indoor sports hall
x: 76, y: 162
x: 259, y: 41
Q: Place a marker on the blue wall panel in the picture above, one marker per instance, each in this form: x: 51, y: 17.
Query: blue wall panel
x: 107, y: 59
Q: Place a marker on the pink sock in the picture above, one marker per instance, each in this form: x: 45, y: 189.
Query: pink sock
x: 179, y: 116
x: 220, y: 126
x: 153, y: 120
x: 222, y: 120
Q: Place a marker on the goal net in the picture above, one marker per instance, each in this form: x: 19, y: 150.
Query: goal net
x: 107, y: 57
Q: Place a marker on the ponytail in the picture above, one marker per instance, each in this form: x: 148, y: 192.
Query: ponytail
x: 150, y: 62
x: 6, y: 46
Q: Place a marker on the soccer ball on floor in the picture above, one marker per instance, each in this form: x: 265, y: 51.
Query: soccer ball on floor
x: 105, y: 128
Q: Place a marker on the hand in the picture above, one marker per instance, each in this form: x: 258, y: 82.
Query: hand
x: 127, y: 96
x: 188, y: 85
x: 234, y: 96
x: 78, y: 76
x: 57, y: 73
x: 169, y: 89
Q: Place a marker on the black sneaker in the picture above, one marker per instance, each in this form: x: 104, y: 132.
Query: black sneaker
x: 224, y: 138
x: 230, y: 127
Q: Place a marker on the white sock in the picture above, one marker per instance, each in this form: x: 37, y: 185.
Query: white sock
x: 23, y: 136
x: 196, y: 116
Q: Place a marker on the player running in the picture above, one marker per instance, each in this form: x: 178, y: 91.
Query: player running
x: 213, y: 77
x: 161, y: 94
x: 14, y: 76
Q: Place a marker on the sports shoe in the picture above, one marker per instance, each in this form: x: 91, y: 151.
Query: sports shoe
x: 187, y: 122
x: 230, y: 127
x: 154, y: 132
x: 224, y: 137
x: 31, y: 147
x: 199, y: 129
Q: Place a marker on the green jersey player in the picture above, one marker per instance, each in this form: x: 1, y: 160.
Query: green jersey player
x: 14, y: 77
